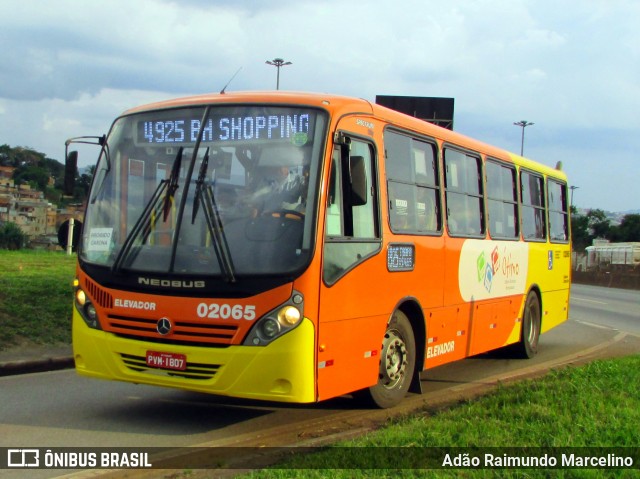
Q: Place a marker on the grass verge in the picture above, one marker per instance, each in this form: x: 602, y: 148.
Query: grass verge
x: 36, y: 295
x: 593, y: 406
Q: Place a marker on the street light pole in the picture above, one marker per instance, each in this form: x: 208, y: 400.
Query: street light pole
x: 522, y: 124
x: 573, y: 188
x: 278, y: 62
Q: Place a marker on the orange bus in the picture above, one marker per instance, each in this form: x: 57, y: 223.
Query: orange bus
x: 297, y: 247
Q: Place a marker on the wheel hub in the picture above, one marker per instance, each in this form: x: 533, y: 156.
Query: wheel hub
x: 393, y: 363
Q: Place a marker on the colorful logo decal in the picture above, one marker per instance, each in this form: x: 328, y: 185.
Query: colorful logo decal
x: 500, y: 269
x: 488, y: 269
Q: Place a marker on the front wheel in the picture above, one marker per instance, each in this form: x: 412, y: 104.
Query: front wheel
x: 531, y: 321
x: 397, y: 363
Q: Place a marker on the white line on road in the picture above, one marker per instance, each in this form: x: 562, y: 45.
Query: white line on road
x: 595, y: 325
x: 588, y: 300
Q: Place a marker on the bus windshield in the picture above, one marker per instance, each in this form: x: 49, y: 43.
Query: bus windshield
x: 224, y: 191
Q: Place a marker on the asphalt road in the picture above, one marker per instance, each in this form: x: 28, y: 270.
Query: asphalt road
x: 609, y: 307
x: 59, y: 408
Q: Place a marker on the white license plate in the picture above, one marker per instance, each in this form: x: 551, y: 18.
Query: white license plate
x: 160, y: 360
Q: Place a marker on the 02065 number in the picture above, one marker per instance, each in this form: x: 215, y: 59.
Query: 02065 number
x: 226, y: 311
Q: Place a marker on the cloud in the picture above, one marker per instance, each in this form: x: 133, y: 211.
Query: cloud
x: 113, y: 44
x: 44, y: 125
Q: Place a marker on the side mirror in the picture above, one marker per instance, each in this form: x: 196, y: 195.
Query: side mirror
x: 358, y: 177
x: 70, y: 168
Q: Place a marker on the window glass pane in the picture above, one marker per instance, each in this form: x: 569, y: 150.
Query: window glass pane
x: 413, y: 208
x: 363, y: 215
x: 398, y: 157
x: 347, y: 222
x: 558, y: 214
x: 532, y: 189
x: 424, y: 159
x: 464, y: 214
x: 500, y: 182
x: 427, y: 208
x: 464, y: 193
x: 533, y: 224
x: 502, y: 202
x: 462, y: 172
x: 502, y: 219
x: 557, y: 196
x: 341, y: 256
x: 414, y: 198
x: 558, y: 226
x: 334, y: 208
x: 454, y: 171
x: 401, y: 207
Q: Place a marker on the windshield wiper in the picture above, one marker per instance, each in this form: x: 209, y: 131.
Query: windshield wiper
x: 145, y: 223
x: 199, y: 186
x: 204, y: 194
x: 173, y: 184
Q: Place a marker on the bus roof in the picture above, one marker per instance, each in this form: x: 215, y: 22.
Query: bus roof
x: 341, y: 105
x: 270, y: 96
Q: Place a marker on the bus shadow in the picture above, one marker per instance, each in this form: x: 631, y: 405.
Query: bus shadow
x: 190, y: 413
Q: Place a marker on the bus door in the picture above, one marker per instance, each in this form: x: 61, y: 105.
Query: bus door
x: 352, y: 311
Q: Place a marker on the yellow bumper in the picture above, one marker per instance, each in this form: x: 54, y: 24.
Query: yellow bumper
x: 282, y: 371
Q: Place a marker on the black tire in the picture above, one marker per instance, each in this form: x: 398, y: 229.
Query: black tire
x: 527, y: 348
x: 397, y: 364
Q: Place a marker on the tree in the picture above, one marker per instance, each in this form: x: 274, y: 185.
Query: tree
x: 12, y: 237
x: 34, y: 175
x: 84, y: 182
x: 580, y: 230
x: 35, y: 169
x: 628, y: 230
x: 5, y: 151
x: 598, y: 223
x: 20, y: 156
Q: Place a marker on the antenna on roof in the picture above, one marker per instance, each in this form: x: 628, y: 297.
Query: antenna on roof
x: 230, y: 80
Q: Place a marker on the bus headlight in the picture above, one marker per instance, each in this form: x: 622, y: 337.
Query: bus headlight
x: 289, y: 315
x: 270, y: 328
x: 81, y: 298
x: 87, y: 310
x: 92, y: 314
x: 277, y: 322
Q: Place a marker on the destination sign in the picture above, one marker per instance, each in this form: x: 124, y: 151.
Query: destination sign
x: 295, y: 127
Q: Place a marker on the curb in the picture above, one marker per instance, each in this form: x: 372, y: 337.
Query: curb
x: 11, y: 368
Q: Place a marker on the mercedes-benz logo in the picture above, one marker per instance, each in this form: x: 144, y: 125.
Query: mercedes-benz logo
x: 164, y: 326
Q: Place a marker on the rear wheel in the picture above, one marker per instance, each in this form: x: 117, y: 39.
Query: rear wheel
x: 531, y: 321
x: 397, y: 363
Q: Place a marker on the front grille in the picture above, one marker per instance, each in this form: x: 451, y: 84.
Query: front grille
x: 100, y: 296
x: 198, y: 371
x: 183, y: 330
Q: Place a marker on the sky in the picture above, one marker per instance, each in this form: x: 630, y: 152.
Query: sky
x: 572, y: 67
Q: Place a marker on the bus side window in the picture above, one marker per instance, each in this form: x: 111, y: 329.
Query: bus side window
x: 502, y: 200
x: 464, y: 195
x: 558, y: 211
x: 412, y: 184
x: 352, y: 230
x: 534, y: 226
